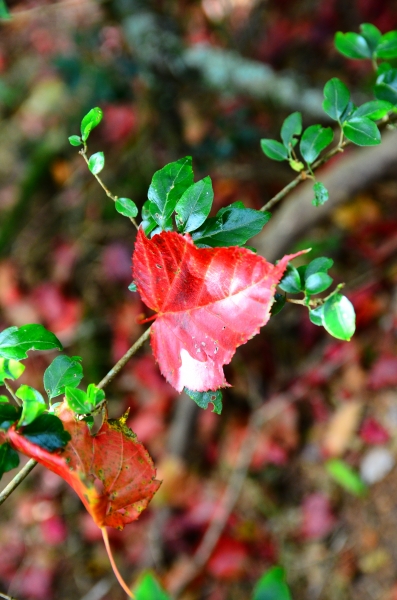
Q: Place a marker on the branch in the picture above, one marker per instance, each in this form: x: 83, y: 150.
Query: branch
x: 14, y: 483
x: 6, y: 597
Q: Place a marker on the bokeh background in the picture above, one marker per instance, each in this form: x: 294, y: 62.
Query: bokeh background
x: 208, y: 78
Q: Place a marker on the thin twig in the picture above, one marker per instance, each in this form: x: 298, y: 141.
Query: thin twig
x: 7, y: 597
x: 11, y: 392
x: 19, y: 477
x: 114, y: 566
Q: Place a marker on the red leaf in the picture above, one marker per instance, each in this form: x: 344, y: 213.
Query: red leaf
x: 208, y: 300
x: 318, y: 518
x: 113, y: 456
x: 372, y: 432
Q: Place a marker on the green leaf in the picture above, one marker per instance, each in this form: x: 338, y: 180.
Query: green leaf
x: 9, y: 459
x: 274, y: 150
x: 352, y: 45
x: 339, y: 318
x: 291, y: 127
x: 8, y: 415
x: 96, y: 162
x: 321, y: 194
x: 336, y: 98
x: 33, y: 404
x: 4, y: 12
x: 314, y: 139
x: 148, y: 588
x: 386, y: 86
x: 272, y: 586
x: 362, y: 131
x: 95, y: 395
x: 374, y: 110
x: 15, y: 342
x: 194, y: 206
x: 318, y: 265
x: 296, y: 165
x: 75, y: 140
x: 78, y: 400
x: 10, y: 369
x: 317, y: 283
x: 371, y: 34
x: 278, y: 304
x: 47, y: 431
x: 3, y: 399
x: 126, y: 207
x: 62, y: 371
x: 148, y: 223
x: 202, y: 399
x: 316, y: 315
x: 347, y: 477
x: 291, y: 282
x: 387, y: 47
x: 232, y: 226
x: 91, y: 120
x: 132, y: 287
x: 166, y: 189
x: 348, y: 112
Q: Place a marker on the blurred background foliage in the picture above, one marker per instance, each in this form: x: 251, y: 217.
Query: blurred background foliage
x: 208, y: 78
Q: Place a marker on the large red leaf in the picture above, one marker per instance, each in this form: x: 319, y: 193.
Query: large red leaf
x: 208, y: 302
x: 113, y: 458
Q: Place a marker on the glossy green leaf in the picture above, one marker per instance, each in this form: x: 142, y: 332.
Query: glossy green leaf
x: 4, y: 12
x: 316, y: 315
x: 371, y: 34
x: 232, y: 226
x: 339, y: 318
x: 126, y: 207
x: 362, y: 131
x: 291, y: 282
x: 274, y: 149
x: 318, y: 265
x: 347, y: 477
x: 272, y: 586
x: 348, y: 112
x: 95, y: 395
x: 278, y: 304
x: 47, y: 431
x: 33, y: 404
x: 202, y: 399
x: 314, y: 139
x: 387, y: 47
x: 194, y: 206
x: 96, y: 162
x: 91, y: 120
x: 166, y: 189
x: 352, y: 45
x: 62, y: 371
x: 75, y: 140
x: 336, y: 98
x: 10, y: 369
x: 15, y: 342
x: 386, y: 86
x: 148, y: 588
x: 8, y: 415
x: 77, y: 400
x: 9, y: 459
x: 291, y: 128
x: 321, y: 194
x: 317, y: 283
x: 374, y: 110
x: 148, y: 223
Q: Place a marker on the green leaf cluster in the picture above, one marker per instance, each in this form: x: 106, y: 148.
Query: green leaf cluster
x: 368, y: 44
x: 84, y: 403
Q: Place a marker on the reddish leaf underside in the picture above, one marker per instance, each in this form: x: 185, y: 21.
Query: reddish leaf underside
x: 113, y: 456
x: 208, y: 301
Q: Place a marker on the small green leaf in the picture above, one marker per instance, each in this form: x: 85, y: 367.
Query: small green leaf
x: 33, y: 404
x: 336, y: 98
x: 95, y: 395
x: 387, y: 47
x: 386, y: 86
x: 371, y: 34
x: 296, y: 165
x: 202, y: 399
x: 291, y: 128
x: 75, y: 140
x: 10, y: 369
x: 194, y: 206
x: 274, y: 150
x: 91, y: 120
x: 314, y: 139
x: 47, y: 431
x: 347, y: 477
x: 148, y: 223
x: 8, y: 415
x: 126, y: 207
x: 352, y: 45
x: 3, y: 399
x: 96, y: 162
x: 291, y: 282
x: 362, y: 131
x: 348, y: 112
x: 15, y: 342
x: 272, y: 586
x: 318, y: 265
x: 62, y: 371
x: 316, y: 315
x: 278, y: 304
x: 339, y: 318
x: 317, y: 283
x: 374, y: 110
x: 148, y: 588
x: 77, y: 400
x: 9, y: 459
x: 4, y: 12
x: 132, y: 287
x: 321, y: 194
